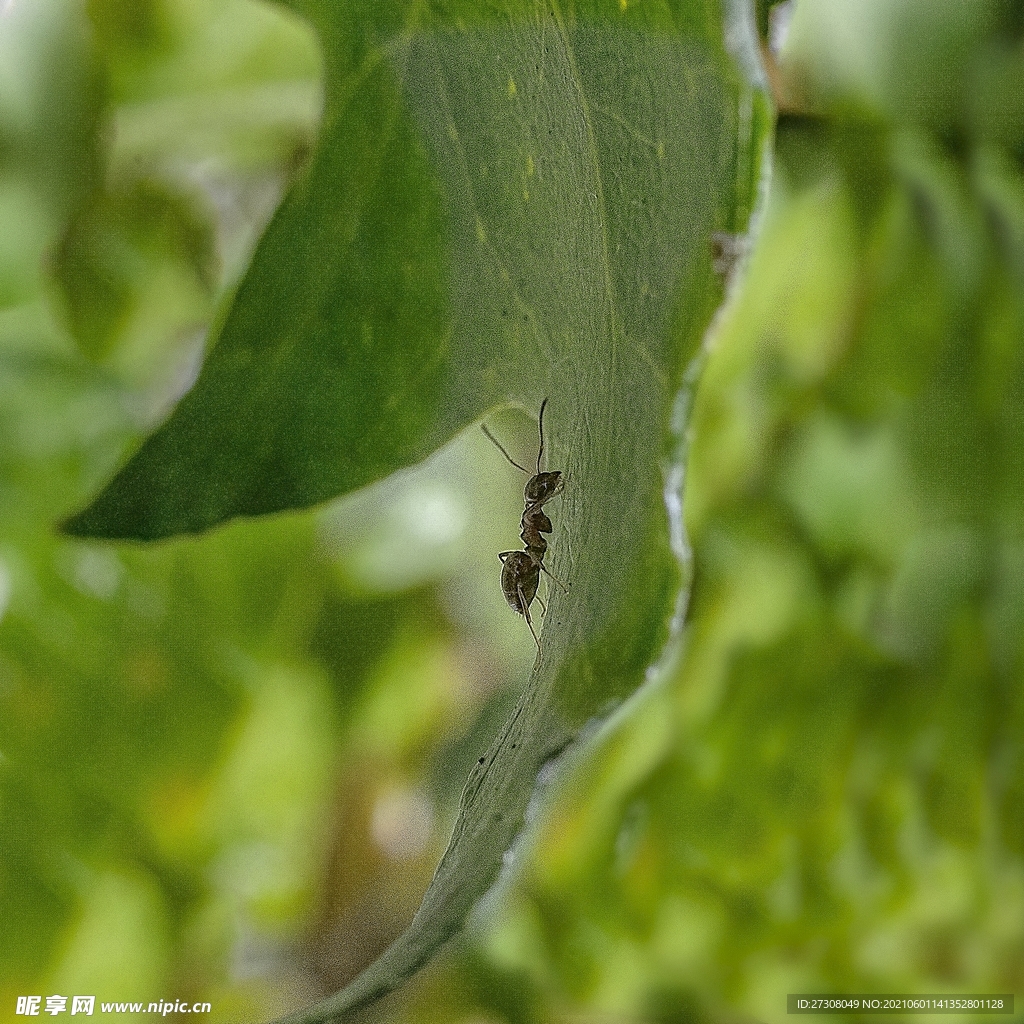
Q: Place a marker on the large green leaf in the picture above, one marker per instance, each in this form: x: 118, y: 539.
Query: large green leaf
x: 827, y: 795
x: 506, y: 203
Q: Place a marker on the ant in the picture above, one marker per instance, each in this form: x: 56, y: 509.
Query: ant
x: 520, y: 572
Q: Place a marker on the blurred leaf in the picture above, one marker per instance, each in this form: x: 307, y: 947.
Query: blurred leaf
x: 124, y: 236
x: 500, y: 208
x: 51, y: 100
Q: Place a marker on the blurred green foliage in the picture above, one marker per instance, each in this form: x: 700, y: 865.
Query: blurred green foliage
x: 229, y: 764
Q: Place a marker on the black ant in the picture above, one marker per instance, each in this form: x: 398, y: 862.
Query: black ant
x: 520, y: 572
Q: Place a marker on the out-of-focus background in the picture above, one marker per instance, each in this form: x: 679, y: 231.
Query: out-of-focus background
x: 229, y: 764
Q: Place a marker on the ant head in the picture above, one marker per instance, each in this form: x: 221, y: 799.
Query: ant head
x: 543, y: 487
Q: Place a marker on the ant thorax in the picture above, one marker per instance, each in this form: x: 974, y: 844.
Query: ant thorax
x: 534, y: 523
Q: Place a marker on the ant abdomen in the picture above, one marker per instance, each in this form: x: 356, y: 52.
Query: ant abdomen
x: 520, y: 577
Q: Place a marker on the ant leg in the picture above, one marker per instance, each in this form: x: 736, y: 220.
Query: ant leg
x: 544, y: 569
x: 526, y: 615
x: 502, y: 555
x: 543, y: 606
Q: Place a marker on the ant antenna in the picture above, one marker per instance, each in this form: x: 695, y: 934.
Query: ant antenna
x: 497, y: 444
x: 541, y: 425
